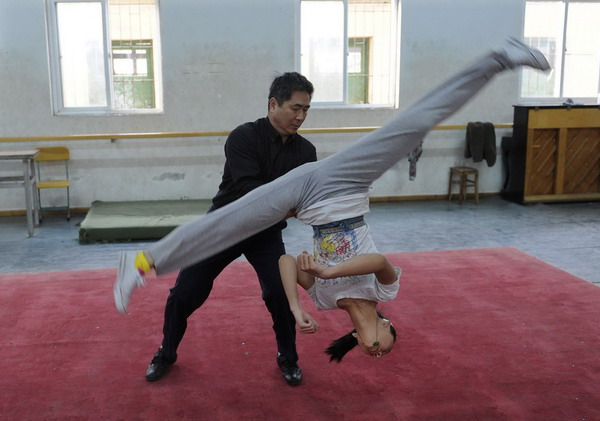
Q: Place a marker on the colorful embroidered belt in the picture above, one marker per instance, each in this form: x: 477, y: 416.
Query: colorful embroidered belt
x: 339, y: 226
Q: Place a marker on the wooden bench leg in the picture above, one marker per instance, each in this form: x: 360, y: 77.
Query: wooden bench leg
x: 477, y: 188
x: 463, y: 188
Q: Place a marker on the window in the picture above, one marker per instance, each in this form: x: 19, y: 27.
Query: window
x: 104, y: 56
x: 133, y: 72
x: 348, y: 50
x: 567, y: 32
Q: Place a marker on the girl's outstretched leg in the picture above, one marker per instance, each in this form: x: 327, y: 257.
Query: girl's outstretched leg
x: 363, y: 162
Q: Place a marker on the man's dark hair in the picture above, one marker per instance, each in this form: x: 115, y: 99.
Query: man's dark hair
x: 283, y: 86
x: 341, y: 346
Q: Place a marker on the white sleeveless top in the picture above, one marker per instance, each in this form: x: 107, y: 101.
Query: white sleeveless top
x: 335, y: 209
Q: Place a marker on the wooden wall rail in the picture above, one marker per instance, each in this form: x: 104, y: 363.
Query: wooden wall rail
x: 166, y: 135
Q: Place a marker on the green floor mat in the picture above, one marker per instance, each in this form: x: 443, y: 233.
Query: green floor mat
x: 137, y: 220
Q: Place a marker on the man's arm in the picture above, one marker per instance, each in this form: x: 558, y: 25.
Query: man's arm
x: 242, y: 160
x: 362, y: 264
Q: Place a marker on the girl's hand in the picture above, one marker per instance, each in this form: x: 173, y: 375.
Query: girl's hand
x: 307, y: 264
x: 305, y: 322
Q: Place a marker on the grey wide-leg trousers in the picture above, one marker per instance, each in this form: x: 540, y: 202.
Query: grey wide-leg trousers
x: 349, y: 171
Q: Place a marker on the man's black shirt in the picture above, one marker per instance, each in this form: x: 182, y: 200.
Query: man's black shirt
x: 255, y: 155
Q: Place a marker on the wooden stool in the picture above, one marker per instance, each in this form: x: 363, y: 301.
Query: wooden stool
x: 464, y: 182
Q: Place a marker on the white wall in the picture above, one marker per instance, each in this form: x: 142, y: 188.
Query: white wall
x: 219, y: 57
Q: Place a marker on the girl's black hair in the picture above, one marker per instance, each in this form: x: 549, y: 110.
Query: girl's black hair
x: 340, y: 346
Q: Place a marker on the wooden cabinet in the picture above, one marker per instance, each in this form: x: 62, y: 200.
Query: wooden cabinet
x: 554, y: 154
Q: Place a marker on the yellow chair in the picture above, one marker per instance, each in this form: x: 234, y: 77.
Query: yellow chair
x: 53, y: 153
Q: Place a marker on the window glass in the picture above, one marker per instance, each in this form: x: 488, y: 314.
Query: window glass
x: 80, y: 30
x: 133, y: 36
x: 372, y: 36
x: 567, y: 32
x: 133, y: 79
x: 348, y: 50
x: 87, y: 78
x: 582, y: 57
x: 322, y: 48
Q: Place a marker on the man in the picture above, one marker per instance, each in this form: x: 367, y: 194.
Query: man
x: 256, y: 153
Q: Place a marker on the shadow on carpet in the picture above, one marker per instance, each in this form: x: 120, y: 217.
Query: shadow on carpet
x: 486, y: 334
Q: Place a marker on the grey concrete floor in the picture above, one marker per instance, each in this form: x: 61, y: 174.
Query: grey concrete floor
x: 566, y: 235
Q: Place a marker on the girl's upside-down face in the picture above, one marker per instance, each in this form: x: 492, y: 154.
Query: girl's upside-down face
x: 378, y: 340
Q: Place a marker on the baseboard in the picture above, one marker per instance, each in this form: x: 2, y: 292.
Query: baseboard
x: 422, y: 197
x: 21, y: 212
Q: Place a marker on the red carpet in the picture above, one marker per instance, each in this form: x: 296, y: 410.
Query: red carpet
x: 489, y: 334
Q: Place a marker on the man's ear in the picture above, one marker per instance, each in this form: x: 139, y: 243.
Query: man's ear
x: 272, y: 104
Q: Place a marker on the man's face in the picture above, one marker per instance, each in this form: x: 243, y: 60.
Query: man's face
x: 289, y: 116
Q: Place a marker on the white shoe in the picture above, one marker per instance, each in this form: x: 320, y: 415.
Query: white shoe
x: 517, y: 54
x: 128, y: 278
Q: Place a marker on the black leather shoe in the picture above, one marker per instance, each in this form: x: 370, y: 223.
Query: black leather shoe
x: 292, y: 374
x: 159, y: 366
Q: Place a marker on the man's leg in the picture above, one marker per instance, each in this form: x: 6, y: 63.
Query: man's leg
x: 263, y: 252
x: 191, y: 289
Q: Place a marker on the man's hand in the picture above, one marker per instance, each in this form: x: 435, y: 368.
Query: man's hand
x: 305, y: 322
x: 307, y: 264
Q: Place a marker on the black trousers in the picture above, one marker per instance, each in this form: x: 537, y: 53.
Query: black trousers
x: 194, y: 284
